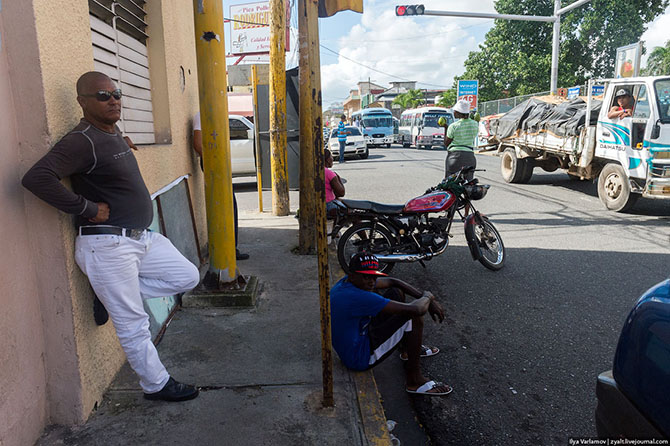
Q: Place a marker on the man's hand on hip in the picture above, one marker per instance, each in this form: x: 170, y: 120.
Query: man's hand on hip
x: 103, y: 213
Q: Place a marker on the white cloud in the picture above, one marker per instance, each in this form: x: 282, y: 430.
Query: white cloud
x: 427, y: 49
x: 380, y: 41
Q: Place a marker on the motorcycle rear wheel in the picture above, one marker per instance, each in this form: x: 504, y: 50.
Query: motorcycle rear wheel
x: 362, y: 237
x: 489, y: 243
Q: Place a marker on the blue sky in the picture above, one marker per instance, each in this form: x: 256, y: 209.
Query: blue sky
x: 427, y: 49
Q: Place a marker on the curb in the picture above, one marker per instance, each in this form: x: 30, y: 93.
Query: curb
x: 370, y: 406
x: 369, y: 400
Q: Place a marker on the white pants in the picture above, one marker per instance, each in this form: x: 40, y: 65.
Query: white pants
x: 123, y: 272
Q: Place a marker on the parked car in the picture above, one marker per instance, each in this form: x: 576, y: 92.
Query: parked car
x: 242, y: 151
x: 634, y: 397
x: 355, y: 144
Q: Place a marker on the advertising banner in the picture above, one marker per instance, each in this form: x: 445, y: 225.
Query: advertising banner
x: 597, y: 90
x: 628, y: 59
x: 573, y: 92
x: 468, y: 90
x: 250, y: 28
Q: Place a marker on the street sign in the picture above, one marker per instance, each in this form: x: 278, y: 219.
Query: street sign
x: 469, y: 91
x: 573, y: 92
x: 597, y: 90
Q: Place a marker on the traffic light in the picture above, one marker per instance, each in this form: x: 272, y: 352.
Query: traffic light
x: 403, y: 10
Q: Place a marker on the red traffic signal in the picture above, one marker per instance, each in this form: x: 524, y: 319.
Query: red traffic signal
x: 403, y: 10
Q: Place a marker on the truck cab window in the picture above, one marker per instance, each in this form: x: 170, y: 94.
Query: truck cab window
x: 663, y: 96
x: 641, y: 113
x: 642, y: 109
x: 238, y: 130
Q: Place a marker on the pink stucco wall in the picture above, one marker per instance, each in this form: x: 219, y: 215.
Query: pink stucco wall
x: 22, y: 368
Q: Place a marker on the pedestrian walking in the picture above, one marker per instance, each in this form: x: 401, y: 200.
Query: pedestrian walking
x: 125, y: 262
x: 342, y: 136
x: 460, y: 141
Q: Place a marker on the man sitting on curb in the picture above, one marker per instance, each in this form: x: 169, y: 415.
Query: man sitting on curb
x: 367, y: 327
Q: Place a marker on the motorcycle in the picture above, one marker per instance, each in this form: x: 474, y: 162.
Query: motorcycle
x: 420, y: 229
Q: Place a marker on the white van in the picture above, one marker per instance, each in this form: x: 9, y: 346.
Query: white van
x: 419, y: 128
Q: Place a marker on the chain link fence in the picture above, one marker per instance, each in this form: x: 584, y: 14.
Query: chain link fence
x: 505, y: 105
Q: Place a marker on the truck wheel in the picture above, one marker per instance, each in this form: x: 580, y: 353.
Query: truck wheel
x: 405, y: 145
x: 614, y: 189
x: 529, y: 165
x: 388, y: 145
x: 513, y: 169
x: 365, y: 154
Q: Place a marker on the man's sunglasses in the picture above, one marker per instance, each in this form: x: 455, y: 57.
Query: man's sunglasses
x: 104, y: 95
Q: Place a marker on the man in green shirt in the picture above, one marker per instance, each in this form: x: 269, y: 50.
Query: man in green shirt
x: 460, y: 141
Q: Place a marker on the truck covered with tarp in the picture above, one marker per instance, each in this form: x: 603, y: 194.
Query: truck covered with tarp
x: 629, y: 153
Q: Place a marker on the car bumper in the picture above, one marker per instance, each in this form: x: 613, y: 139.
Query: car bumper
x: 385, y: 140
x: 430, y: 141
x: 616, y: 416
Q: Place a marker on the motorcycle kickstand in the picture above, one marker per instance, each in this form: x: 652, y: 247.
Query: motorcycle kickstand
x: 422, y: 264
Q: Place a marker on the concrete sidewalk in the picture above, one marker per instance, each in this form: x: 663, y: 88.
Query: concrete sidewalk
x: 259, y: 368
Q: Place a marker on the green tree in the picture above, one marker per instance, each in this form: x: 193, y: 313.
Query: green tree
x: 411, y: 99
x: 659, y: 61
x: 515, y: 58
x: 447, y: 99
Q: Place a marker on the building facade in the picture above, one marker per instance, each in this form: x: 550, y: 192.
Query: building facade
x: 56, y: 363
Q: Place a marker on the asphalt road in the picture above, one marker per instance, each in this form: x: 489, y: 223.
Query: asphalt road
x: 522, y: 346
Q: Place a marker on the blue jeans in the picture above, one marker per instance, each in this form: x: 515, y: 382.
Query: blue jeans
x: 343, y: 144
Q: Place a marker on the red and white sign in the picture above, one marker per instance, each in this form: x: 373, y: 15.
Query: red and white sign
x: 471, y: 98
x: 250, y: 28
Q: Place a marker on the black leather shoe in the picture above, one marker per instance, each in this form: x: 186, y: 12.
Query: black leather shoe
x: 174, y: 391
x: 241, y: 255
x: 99, y: 312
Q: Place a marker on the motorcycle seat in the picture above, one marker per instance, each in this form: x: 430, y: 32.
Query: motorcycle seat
x: 371, y: 206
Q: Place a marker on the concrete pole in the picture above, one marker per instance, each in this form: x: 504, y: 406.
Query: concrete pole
x: 312, y: 17
x: 307, y: 233
x: 211, y: 58
x: 555, y: 47
x: 280, y: 198
x: 257, y: 139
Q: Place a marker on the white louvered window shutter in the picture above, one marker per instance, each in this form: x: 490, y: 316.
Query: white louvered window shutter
x: 118, y: 34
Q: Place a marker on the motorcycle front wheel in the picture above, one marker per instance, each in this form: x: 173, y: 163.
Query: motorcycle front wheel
x: 362, y: 237
x: 482, y: 235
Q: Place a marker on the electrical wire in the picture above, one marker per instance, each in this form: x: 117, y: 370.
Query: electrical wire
x: 379, y: 71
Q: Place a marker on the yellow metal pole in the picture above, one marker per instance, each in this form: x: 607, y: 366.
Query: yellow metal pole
x: 211, y: 57
x: 280, y: 198
x: 312, y: 14
x: 257, y: 142
x: 307, y: 234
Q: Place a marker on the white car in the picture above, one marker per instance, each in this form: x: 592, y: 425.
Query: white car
x: 242, y: 151
x: 355, y: 144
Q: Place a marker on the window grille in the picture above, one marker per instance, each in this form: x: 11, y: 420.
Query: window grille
x: 118, y: 34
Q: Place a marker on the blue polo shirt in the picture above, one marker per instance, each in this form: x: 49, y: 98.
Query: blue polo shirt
x: 341, y: 132
x: 351, y: 310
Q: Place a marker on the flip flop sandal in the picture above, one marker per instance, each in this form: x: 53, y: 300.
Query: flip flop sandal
x: 426, y: 351
x: 430, y: 385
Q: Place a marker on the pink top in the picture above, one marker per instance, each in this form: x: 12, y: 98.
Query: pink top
x: 330, y: 195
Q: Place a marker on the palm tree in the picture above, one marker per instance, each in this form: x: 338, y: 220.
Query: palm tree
x: 659, y: 61
x: 411, y: 99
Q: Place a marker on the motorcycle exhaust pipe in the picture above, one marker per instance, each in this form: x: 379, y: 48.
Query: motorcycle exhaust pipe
x: 397, y: 258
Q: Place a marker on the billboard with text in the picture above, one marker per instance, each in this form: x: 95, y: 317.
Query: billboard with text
x: 250, y: 28
x: 468, y: 90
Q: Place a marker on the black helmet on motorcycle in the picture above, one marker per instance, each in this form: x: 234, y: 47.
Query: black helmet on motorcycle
x: 476, y: 191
